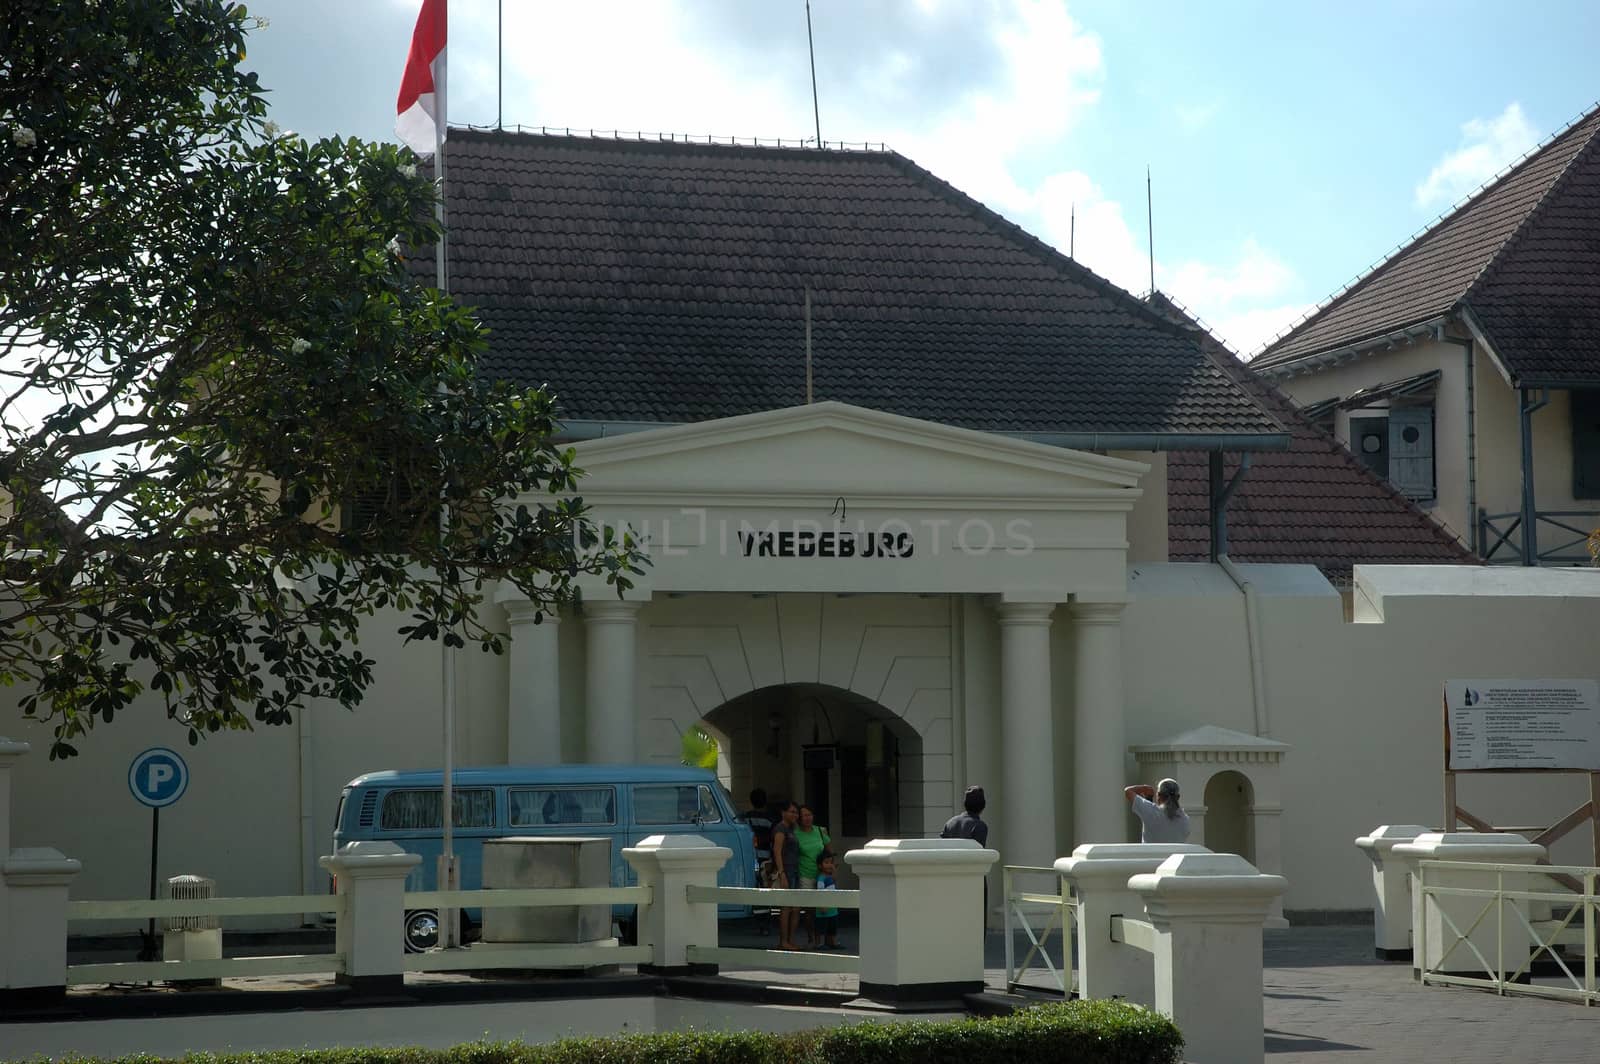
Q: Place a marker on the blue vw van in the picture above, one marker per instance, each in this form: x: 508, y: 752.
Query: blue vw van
x: 625, y: 803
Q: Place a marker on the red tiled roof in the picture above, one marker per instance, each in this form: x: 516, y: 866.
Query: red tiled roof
x: 1523, y: 255
x: 1314, y: 504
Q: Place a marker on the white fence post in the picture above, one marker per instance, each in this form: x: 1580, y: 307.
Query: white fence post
x: 1391, y: 890
x: 371, y: 912
x: 1099, y: 875
x: 33, y: 947
x: 1208, y: 910
x: 1478, y: 930
x: 669, y: 865
x: 921, y: 917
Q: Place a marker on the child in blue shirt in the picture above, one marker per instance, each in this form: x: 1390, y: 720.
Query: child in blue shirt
x: 827, y: 919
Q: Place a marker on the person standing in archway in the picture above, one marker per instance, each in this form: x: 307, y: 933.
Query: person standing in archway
x: 812, y: 838
x: 969, y: 824
x: 1161, y: 818
x: 786, y: 868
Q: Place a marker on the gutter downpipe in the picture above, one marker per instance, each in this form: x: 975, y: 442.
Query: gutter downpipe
x: 1252, y: 608
x: 1530, y: 513
x: 1470, y: 355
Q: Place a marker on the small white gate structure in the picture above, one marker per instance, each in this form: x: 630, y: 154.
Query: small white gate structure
x: 1021, y: 909
x: 1459, y: 922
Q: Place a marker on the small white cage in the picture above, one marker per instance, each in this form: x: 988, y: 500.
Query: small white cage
x: 189, y: 888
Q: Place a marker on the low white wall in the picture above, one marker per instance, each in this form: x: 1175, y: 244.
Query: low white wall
x: 1361, y: 703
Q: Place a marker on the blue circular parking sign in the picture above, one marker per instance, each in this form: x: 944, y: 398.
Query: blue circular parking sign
x: 158, y: 777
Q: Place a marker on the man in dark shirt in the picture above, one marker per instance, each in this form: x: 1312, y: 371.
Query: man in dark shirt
x: 968, y: 825
x: 759, y: 817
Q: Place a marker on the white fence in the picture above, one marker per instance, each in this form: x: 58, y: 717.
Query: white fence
x: 1492, y: 928
x: 182, y: 970
x: 776, y: 959
x: 1022, y: 910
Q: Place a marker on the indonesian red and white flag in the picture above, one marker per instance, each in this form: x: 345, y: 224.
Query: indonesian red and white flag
x: 421, y: 124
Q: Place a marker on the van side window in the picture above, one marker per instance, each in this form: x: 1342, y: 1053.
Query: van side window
x: 419, y: 810
x: 686, y: 803
x: 567, y: 805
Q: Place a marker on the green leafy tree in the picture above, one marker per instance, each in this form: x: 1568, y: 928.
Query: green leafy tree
x: 208, y: 340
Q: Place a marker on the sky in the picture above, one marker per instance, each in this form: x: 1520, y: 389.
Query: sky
x: 1290, y: 146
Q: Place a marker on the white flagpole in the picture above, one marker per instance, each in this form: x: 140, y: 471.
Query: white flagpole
x: 449, y: 878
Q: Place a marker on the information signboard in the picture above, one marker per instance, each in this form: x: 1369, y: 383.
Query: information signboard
x: 1522, y: 725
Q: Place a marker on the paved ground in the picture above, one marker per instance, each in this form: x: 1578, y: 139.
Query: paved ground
x: 1326, y: 1001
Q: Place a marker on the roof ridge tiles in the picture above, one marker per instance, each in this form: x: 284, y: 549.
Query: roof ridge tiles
x: 1472, y: 200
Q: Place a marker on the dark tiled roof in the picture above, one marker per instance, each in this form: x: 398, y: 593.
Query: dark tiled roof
x: 1522, y: 251
x: 664, y: 282
x: 1314, y: 504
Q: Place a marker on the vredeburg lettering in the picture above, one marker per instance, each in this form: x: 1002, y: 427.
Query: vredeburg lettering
x: 811, y: 543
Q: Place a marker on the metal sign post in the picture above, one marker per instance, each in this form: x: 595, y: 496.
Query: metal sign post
x: 158, y: 777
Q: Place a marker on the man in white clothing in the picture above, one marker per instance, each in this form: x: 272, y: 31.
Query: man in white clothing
x: 1161, y: 818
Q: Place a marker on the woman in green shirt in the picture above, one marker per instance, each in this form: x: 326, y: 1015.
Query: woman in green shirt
x: 812, y: 840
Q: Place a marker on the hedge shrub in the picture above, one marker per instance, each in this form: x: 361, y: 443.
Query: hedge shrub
x: 1074, y: 1032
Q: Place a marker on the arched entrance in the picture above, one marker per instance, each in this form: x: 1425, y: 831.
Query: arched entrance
x: 1229, y: 800
x: 855, y: 762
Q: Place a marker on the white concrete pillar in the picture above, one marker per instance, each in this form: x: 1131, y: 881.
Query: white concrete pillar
x: 33, y: 927
x: 371, y: 912
x: 611, y: 719
x: 1391, y: 889
x: 669, y: 865
x: 921, y: 917
x: 1099, y: 738
x: 533, y: 699
x: 1207, y: 911
x: 1498, y: 937
x: 1028, y: 792
x: 10, y: 751
x: 1099, y: 874
x: 1266, y: 828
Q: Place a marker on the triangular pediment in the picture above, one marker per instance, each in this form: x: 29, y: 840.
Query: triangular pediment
x: 1211, y: 738
x: 835, y: 449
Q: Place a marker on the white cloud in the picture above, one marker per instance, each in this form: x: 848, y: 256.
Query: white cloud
x: 1488, y: 145
x: 1193, y: 117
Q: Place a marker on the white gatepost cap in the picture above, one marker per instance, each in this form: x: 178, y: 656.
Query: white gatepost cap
x: 1218, y: 885
x: 671, y: 850
x: 40, y: 866
x: 1389, y: 836
x: 1501, y: 846
x: 1119, y: 860
x: 12, y: 748
x: 377, y: 858
x: 934, y: 856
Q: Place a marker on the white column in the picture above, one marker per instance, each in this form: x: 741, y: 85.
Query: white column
x: 1028, y: 794
x: 33, y: 929
x: 1099, y: 873
x: 921, y: 918
x: 1099, y: 740
x: 533, y: 700
x: 672, y: 925
x: 10, y: 751
x: 611, y: 720
x: 1391, y: 889
x: 371, y: 912
x: 1206, y: 911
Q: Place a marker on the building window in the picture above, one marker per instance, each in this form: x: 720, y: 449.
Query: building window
x: 1398, y: 446
x: 1586, y: 443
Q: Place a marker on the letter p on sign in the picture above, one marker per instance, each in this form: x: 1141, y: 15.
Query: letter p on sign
x: 158, y: 777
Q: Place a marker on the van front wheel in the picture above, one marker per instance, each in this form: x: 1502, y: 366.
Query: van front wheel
x: 422, y: 930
